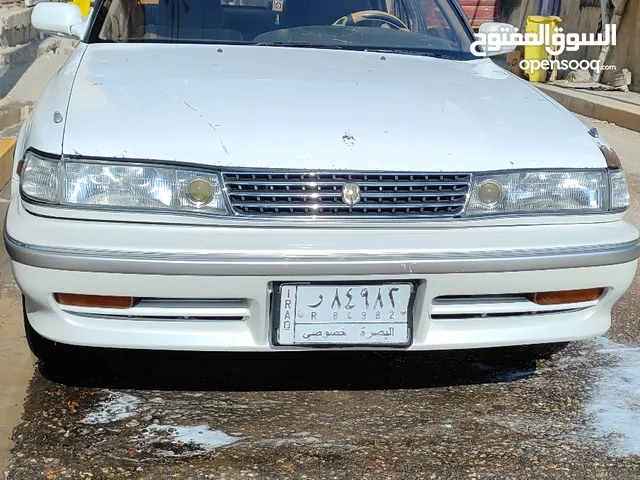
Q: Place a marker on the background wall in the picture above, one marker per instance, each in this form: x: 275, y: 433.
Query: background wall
x: 626, y: 54
x: 577, y: 19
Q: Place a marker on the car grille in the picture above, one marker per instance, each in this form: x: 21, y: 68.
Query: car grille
x: 268, y: 193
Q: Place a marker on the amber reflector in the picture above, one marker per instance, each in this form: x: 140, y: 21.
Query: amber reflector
x: 19, y: 168
x: 610, y: 155
x: 99, y: 301
x: 565, y: 296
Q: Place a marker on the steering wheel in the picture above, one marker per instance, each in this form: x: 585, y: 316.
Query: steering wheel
x: 385, y: 18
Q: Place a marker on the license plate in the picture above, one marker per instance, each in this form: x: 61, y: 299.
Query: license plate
x: 344, y: 314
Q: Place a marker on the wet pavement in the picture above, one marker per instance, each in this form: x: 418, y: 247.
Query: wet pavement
x: 436, y: 415
x: 440, y: 415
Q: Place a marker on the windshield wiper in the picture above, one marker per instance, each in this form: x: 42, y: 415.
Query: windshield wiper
x: 304, y: 45
x: 415, y: 51
x: 360, y: 48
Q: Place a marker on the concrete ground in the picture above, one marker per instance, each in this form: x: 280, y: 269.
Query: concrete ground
x: 331, y: 416
x: 25, y: 81
x: 16, y: 363
x: 620, y: 108
x: 617, y: 107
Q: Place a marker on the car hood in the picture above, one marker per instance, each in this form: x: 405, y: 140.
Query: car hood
x: 273, y: 107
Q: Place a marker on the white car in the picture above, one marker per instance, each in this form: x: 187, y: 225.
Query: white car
x: 306, y: 174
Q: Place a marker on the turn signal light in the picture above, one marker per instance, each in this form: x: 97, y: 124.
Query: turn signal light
x: 565, y: 296
x: 611, y: 157
x: 19, y: 168
x: 96, y: 301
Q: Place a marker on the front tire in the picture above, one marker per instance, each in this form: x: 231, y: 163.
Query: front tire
x: 44, y: 349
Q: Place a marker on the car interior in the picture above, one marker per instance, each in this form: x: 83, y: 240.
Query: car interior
x: 201, y: 18
x: 244, y: 20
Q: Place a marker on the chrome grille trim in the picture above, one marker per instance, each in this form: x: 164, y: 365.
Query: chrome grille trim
x: 496, y: 306
x: 166, y: 308
x: 318, y: 194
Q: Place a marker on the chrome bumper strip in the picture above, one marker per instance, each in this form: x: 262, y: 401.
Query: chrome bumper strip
x: 335, y: 263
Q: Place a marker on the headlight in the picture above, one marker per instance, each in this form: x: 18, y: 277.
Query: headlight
x: 121, y: 185
x: 548, y: 192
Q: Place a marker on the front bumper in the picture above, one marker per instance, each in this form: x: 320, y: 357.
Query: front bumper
x: 239, y: 266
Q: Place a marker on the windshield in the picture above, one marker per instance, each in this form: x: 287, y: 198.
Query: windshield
x: 420, y: 27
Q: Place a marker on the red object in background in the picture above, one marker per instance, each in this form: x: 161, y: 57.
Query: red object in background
x: 481, y: 11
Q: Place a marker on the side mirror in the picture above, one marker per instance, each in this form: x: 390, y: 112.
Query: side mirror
x: 492, y: 36
x: 62, y: 19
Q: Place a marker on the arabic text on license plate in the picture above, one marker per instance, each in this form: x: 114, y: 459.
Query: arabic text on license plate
x: 344, y: 314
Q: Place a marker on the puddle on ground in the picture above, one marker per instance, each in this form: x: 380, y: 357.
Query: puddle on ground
x: 615, y: 404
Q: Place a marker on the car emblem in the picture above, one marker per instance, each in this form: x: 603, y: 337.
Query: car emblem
x: 351, y: 193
